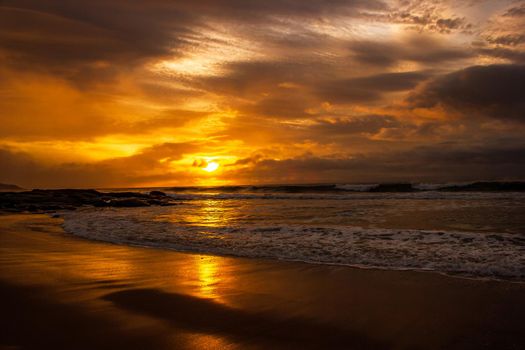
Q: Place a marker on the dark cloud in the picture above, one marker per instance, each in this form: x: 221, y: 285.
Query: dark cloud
x: 417, y: 48
x: 283, y: 106
x: 447, y: 24
x: 424, y: 16
x: 517, y: 11
x: 343, y: 91
x: 431, y: 163
x: 495, y: 91
x: 514, y: 56
x: 367, y: 89
x: 509, y: 39
x: 274, y: 89
x: 297, y: 101
x: 292, y: 90
x: 82, y: 39
x: 430, y: 22
x: 252, y: 78
x: 249, y: 10
x: 97, y: 38
x: 323, y: 128
x: 390, y: 81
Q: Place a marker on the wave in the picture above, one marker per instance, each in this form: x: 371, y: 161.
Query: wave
x: 356, y: 188
x: 348, y: 196
x: 493, y: 255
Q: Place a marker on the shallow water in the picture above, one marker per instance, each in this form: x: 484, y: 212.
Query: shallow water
x: 471, y: 234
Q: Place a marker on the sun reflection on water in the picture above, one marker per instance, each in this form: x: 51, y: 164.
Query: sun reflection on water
x: 210, y: 274
x: 207, y: 213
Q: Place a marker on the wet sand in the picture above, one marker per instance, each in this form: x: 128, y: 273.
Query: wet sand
x: 62, y: 292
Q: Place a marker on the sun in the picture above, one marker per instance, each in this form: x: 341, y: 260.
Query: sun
x: 211, y: 166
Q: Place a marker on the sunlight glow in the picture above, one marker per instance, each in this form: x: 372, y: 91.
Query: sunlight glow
x: 212, y: 166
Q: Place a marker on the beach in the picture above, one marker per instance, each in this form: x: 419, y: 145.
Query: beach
x: 59, y: 291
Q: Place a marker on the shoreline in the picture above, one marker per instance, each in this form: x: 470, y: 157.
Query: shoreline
x: 131, y: 296
x: 278, y: 260
x: 489, y: 255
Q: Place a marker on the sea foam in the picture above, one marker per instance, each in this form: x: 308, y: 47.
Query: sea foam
x: 493, y: 255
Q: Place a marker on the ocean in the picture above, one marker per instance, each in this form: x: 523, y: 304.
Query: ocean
x: 466, y: 230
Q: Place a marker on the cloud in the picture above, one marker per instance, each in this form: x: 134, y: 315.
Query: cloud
x: 447, y: 24
x: 343, y: 127
x: 320, y: 82
x: 250, y: 10
x: 90, y: 40
x: 97, y: 38
x: 282, y: 106
x: 514, y: 56
x: 148, y: 165
x: 517, y: 11
x: 415, y: 48
x: 437, y: 163
x: 369, y: 88
x: 251, y: 78
x: 508, y: 40
x: 281, y: 89
x: 426, y: 16
x: 494, y: 91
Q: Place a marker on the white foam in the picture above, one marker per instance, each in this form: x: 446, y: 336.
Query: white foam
x: 497, y: 255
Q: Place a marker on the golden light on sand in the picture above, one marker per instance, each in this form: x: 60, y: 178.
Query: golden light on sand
x: 211, y: 166
x: 207, y: 275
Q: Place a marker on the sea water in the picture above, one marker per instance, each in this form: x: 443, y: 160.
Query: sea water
x: 475, y: 234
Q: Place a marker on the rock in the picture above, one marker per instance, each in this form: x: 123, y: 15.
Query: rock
x: 127, y: 195
x: 70, y: 199
x: 129, y: 202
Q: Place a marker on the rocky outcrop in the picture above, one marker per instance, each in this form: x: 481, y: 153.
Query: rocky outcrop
x: 51, y: 200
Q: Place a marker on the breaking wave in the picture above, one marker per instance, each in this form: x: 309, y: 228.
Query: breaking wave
x: 356, y: 188
x: 493, y: 255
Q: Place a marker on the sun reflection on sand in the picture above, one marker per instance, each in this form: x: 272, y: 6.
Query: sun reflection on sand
x: 209, y: 276
x: 211, y: 271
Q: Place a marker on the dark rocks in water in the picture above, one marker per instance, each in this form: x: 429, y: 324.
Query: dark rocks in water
x: 157, y: 194
x: 401, y: 187
x: 69, y: 199
x: 129, y: 202
x: 128, y: 194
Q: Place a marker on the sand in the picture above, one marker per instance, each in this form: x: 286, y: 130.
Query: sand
x: 62, y: 292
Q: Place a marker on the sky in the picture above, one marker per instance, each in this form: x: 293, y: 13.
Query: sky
x: 156, y: 93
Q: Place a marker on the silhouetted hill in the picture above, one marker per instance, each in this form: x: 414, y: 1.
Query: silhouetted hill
x: 9, y: 187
